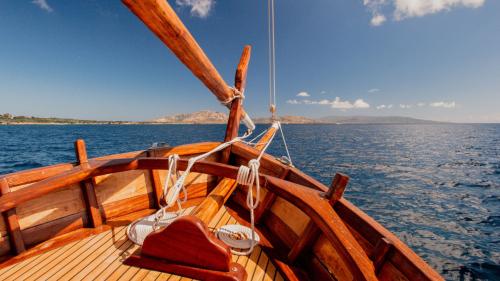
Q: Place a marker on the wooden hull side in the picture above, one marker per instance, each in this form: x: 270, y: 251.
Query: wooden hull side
x: 308, y: 240
x: 287, y: 223
x: 118, y: 194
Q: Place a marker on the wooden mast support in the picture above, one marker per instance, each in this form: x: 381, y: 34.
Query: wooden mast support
x: 162, y: 20
x: 88, y: 188
x: 240, y: 80
x: 12, y: 223
x: 221, y: 193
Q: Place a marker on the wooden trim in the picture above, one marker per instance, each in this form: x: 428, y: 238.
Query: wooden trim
x: 270, y: 245
x: 268, y: 201
x: 311, y: 201
x: 265, y: 138
x: 337, y: 188
x: 305, y: 241
x: 380, y: 253
x: 322, y: 214
x: 88, y: 187
x: 51, y: 229
x: 156, y: 184
x: 12, y: 223
x: 312, y: 232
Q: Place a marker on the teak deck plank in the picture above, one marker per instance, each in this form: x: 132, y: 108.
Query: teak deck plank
x: 100, y: 257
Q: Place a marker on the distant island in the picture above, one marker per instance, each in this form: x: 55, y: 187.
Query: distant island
x: 212, y: 117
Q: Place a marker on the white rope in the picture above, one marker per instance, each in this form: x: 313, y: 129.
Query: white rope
x: 237, y: 94
x: 286, y: 146
x: 272, y: 59
x: 249, y: 176
x: 171, y: 194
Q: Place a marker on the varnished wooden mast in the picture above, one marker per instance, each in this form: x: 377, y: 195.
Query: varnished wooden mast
x: 160, y: 18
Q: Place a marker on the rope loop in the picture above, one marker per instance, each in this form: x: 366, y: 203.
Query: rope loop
x: 237, y: 94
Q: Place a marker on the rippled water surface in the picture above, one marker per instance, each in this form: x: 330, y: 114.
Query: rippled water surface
x: 435, y: 186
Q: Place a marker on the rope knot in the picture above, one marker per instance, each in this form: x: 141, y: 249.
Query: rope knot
x: 236, y: 95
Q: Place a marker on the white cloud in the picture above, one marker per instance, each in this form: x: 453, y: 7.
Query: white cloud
x: 377, y: 19
x: 390, y: 106
x: 374, y: 90
x: 382, y: 106
x: 337, y: 103
x: 303, y: 94
x: 199, y: 8
x: 359, y: 103
x: 413, y: 8
x: 323, y: 92
x: 420, y: 104
x: 443, y: 104
x: 405, y: 106
x: 42, y: 4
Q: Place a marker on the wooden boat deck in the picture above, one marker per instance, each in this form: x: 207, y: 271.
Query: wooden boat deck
x: 100, y: 257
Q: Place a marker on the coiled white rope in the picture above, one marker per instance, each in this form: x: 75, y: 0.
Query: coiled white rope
x: 249, y: 176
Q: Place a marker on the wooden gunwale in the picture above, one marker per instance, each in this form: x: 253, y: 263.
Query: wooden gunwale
x: 359, y: 262
x: 351, y: 214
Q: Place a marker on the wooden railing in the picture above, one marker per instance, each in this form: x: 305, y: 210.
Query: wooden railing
x: 310, y: 196
x: 310, y: 201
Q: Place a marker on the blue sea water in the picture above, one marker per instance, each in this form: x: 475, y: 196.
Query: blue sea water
x: 437, y: 187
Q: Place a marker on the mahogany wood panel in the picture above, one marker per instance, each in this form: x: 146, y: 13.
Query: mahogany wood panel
x: 271, y: 242
x: 281, y: 230
x: 5, y: 248
x: 310, y: 235
x: 320, y: 211
x: 12, y: 222
x: 316, y: 270
x: 155, y: 180
x: 186, y: 247
x: 329, y: 257
x: 126, y: 206
x: 268, y: 201
x: 304, y: 242
x: 51, y: 229
x: 51, y: 206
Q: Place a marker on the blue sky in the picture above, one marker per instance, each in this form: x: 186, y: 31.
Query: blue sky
x: 432, y: 59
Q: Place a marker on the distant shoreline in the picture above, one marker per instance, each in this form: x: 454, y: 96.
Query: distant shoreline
x: 217, y: 118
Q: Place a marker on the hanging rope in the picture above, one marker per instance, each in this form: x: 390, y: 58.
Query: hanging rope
x: 249, y: 176
x: 286, y: 146
x: 272, y: 60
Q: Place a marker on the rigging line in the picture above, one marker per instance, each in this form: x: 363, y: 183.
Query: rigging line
x: 272, y: 58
